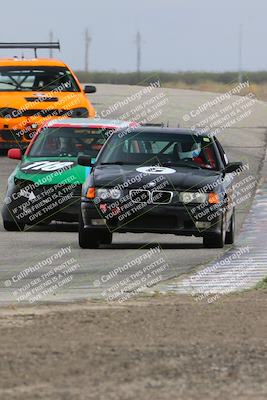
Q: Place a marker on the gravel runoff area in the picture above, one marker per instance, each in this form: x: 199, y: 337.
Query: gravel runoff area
x: 162, y: 348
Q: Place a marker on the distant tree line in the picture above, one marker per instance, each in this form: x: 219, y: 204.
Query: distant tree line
x: 190, y: 78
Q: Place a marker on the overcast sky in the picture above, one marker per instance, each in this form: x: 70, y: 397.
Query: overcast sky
x: 177, y: 34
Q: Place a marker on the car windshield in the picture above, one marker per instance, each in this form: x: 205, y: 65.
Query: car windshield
x: 44, y: 79
x: 69, y: 142
x: 152, y: 148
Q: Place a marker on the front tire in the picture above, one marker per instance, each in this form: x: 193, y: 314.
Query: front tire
x: 230, y: 234
x: 12, y: 226
x: 106, y: 238
x: 215, y: 240
x: 88, y: 238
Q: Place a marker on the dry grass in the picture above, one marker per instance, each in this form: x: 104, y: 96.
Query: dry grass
x: 260, y: 91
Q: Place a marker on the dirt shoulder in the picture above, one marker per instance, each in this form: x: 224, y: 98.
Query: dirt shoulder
x: 161, y: 348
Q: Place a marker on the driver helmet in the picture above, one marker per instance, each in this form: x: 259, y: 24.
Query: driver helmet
x: 66, y: 144
x: 51, y: 144
x: 193, y: 153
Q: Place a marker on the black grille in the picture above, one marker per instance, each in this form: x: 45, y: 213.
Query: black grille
x: 41, y: 99
x: 159, y: 197
x: 140, y: 196
x: 154, y: 197
x: 43, y: 113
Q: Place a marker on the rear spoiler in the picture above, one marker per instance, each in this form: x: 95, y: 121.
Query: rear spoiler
x: 31, y: 45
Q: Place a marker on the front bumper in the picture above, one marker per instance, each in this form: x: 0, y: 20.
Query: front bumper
x: 15, y: 139
x: 41, y: 205
x: 18, y: 132
x: 170, y: 219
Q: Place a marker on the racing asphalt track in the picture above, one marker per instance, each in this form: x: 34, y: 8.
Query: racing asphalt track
x: 244, y: 141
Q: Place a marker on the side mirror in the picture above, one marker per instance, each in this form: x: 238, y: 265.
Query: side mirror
x: 232, y: 167
x: 85, y: 161
x: 14, y: 154
x: 89, y: 89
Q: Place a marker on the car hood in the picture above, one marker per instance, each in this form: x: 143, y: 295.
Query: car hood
x: 51, y: 170
x: 179, y: 178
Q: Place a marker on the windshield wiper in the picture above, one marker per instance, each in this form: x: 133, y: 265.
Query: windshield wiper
x: 117, y: 163
x: 181, y: 164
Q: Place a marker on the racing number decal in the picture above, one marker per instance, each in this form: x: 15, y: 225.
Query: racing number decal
x: 48, y: 166
x: 156, y: 170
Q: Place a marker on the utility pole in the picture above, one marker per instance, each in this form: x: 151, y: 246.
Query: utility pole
x: 240, y: 54
x: 88, y: 41
x: 51, y: 38
x: 138, y: 42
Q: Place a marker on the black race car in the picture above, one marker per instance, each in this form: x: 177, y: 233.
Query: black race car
x: 159, y: 180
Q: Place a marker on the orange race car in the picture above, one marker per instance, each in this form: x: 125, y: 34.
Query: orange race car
x: 33, y: 91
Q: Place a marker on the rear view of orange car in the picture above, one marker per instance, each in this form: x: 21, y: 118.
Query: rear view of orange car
x: 36, y: 90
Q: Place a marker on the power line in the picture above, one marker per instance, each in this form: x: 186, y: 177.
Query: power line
x: 240, y: 54
x: 51, y: 39
x: 88, y: 40
x: 138, y: 42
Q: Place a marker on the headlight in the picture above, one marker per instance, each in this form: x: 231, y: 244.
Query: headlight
x: 193, y: 197
x: 115, y: 194
x: 105, y: 194
x: 79, y: 113
x: 102, y: 194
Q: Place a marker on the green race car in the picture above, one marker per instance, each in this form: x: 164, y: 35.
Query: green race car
x: 46, y: 184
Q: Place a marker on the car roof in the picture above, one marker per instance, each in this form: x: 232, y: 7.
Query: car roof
x: 86, y: 122
x: 37, y: 62
x: 178, y: 131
